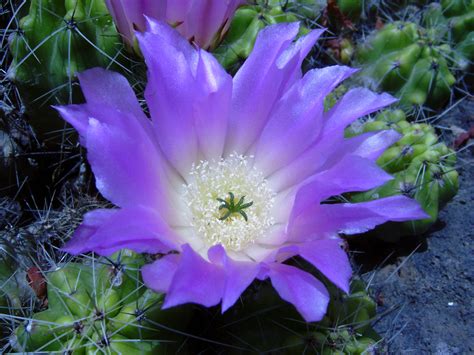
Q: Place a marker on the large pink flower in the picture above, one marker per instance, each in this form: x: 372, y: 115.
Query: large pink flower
x: 201, y: 21
x: 228, y: 177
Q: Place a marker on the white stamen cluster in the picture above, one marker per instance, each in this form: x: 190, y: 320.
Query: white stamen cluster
x: 210, y: 180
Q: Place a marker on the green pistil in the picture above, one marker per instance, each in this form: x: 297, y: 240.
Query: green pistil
x: 229, y: 207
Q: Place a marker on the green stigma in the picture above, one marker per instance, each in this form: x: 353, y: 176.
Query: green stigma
x: 230, y: 208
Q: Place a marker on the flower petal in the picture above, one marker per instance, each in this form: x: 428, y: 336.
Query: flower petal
x: 213, y: 105
x: 329, y: 258
x: 89, y: 226
x: 170, y: 92
x: 127, y: 166
x: 106, y: 231
x: 356, y: 103
x: 106, y: 93
x: 296, y: 120
x: 371, y: 145
x: 238, y: 275
x: 301, y: 289
x: 159, y: 274
x: 254, y: 95
x: 306, y: 165
x: 204, y: 19
x: 122, y: 150
x: 352, y: 173
x: 200, y: 21
x: 78, y: 117
x: 275, y: 236
x: 177, y: 9
x: 196, y: 281
x: 321, y: 221
x: 104, y: 87
x: 261, y: 252
x: 189, y: 95
x: 128, y: 15
x: 353, y: 218
x: 294, y: 56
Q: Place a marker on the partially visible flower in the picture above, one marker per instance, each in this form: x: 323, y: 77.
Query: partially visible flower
x: 201, y: 21
x: 229, y: 177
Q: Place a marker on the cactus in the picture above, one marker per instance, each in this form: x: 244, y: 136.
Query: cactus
x: 340, y: 49
x: 97, y: 306
x: 351, y: 8
x: 58, y: 38
x: 423, y: 168
x: 14, y: 288
x: 331, y: 99
x: 10, y: 282
x: 16, y: 138
x: 357, y: 10
x: 417, y: 59
x: 307, y: 11
x: 452, y: 21
x: 404, y: 59
x: 346, y: 329
x: 245, y: 26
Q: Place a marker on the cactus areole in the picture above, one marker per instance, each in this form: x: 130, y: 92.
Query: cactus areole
x: 227, y: 179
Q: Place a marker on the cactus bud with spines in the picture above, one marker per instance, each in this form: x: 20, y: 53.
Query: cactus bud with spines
x: 422, y: 166
x: 58, y: 38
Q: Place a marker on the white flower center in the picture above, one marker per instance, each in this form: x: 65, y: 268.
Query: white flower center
x: 230, y: 202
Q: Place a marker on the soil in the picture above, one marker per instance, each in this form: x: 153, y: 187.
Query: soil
x: 425, y: 286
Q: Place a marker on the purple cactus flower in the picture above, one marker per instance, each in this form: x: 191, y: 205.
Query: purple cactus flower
x: 201, y: 21
x: 227, y: 178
